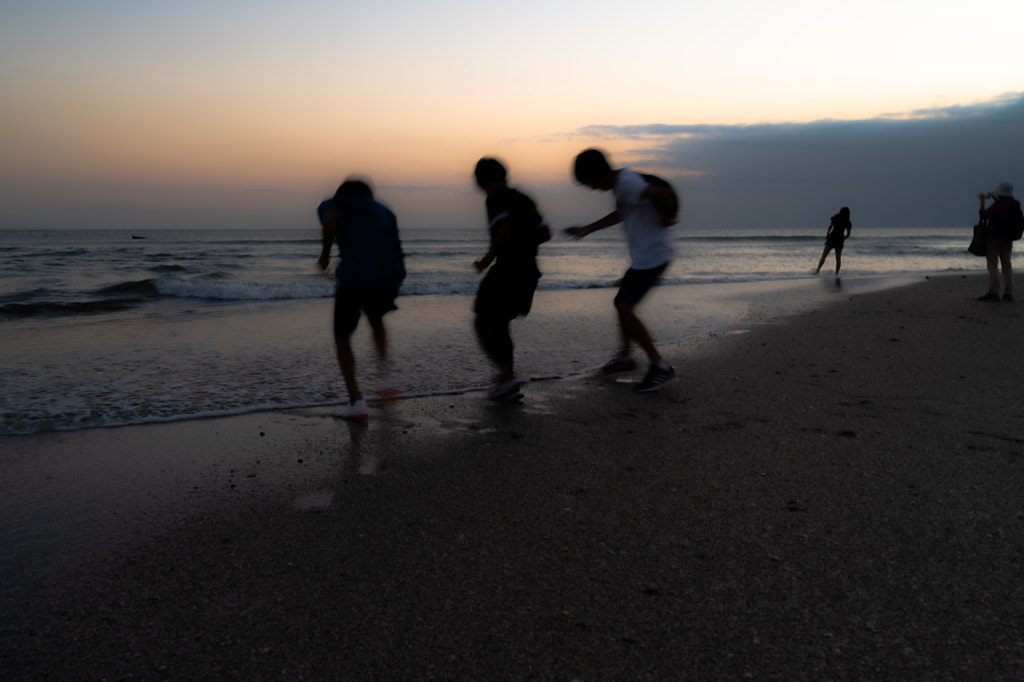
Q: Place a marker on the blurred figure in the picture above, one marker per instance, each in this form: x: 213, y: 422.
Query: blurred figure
x: 839, y: 229
x: 506, y: 292
x: 370, y: 271
x: 647, y: 207
x: 998, y: 241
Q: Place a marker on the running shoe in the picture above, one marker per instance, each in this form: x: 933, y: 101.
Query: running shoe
x: 656, y: 378
x: 618, y: 365
x: 504, y: 390
x: 356, y: 409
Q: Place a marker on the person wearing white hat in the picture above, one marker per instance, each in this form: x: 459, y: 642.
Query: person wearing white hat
x: 998, y: 248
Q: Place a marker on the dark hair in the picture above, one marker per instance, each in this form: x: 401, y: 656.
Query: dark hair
x: 489, y: 170
x: 590, y: 164
x: 843, y: 215
x: 354, y: 188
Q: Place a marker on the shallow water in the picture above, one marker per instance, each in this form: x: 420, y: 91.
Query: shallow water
x: 215, y: 360
x: 99, y: 329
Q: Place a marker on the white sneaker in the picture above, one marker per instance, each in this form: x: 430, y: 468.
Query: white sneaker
x: 356, y: 409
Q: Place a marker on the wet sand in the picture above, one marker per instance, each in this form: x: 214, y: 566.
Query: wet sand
x: 831, y: 495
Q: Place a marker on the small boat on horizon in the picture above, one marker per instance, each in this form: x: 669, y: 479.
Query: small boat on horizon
x: 136, y: 236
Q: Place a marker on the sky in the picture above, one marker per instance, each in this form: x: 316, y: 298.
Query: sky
x: 132, y: 114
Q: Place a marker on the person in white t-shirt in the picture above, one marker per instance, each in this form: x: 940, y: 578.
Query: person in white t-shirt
x: 646, y: 209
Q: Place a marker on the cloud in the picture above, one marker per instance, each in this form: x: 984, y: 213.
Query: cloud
x: 920, y: 169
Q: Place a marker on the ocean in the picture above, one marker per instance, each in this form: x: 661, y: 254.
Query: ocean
x: 102, y: 328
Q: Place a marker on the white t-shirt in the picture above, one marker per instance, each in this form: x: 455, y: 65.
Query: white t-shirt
x: 650, y: 244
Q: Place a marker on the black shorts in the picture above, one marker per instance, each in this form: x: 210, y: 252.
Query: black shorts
x: 507, y: 292
x: 636, y: 283
x: 350, y: 303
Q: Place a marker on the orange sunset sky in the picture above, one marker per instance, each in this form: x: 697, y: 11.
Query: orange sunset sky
x: 233, y: 114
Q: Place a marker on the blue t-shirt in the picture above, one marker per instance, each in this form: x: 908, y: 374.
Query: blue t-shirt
x: 366, y: 232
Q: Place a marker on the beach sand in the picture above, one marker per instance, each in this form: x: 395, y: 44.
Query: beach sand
x: 831, y: 495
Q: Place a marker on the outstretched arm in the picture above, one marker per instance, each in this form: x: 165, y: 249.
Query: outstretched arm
x: 612, y: 218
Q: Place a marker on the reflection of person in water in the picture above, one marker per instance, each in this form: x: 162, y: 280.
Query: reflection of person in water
x: 838, y: 231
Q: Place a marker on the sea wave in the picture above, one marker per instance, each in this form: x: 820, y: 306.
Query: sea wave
x: 242, y: 290
x: 143, y: 289
x: 223, y: 288
x: 749, y: 238
x: 58, y: 308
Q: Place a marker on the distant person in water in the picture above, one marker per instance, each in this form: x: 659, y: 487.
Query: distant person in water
x: 998, y: 244
x: 647, y: 207
x: 838, y: 231
x: 506, y: 291
x: 370, y: 271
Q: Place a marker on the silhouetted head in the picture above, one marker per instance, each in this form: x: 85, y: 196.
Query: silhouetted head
x: 593, y: 170
x: 1005, y: 189
x: 488, y: 172
x: 842, y: 217
x: 354, y: 188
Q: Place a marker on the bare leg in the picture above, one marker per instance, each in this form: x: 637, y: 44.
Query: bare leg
x: 625, y: 343
x: 824, y: 254
x: 632, y: 329
x: 1004, y: 259
x: 992, y: 263
x: 493, y: 335
x: 347, y: 362
x: 839, y: 261
x: 380, y: 341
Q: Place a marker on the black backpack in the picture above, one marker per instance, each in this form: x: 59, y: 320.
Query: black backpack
x: 1012, y: 226
x: 668, y: 212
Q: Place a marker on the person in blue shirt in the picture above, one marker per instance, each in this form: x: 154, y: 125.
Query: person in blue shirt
x: 369, y: 274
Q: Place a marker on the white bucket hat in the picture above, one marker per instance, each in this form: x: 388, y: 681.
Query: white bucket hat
x: 1005, y: 189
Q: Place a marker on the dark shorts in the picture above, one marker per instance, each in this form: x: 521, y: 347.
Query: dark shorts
x: 350, y: 303
x: 636, y: 283
x: 507, y: 292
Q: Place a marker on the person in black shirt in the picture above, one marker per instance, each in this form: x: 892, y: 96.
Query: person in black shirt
x: 839, y: 229
x: 506, y: 292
